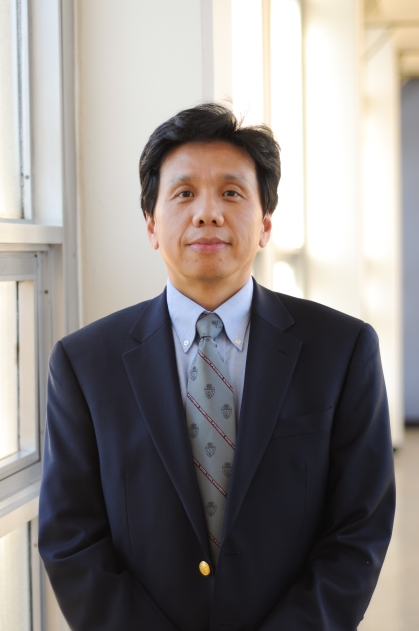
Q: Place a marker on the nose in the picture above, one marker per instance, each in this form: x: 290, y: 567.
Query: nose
x: 208, y: 212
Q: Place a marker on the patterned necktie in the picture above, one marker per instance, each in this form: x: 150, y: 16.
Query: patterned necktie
x: 211, y: 420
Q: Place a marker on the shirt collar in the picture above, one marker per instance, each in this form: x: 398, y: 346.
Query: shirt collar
x: 235, y: 314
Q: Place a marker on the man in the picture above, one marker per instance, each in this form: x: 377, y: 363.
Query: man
x: 218, y: 457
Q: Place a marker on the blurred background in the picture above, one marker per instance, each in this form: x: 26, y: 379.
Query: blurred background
x: 83, y: 83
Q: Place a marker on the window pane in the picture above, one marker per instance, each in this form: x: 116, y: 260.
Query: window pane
x: 14, y: 581
x: 9, y: 438
x: 27, y: 367
x: 10, y: 193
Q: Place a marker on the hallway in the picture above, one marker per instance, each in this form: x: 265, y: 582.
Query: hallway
x: 395, y: 604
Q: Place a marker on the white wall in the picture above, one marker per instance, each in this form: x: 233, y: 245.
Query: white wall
x: 138, y: 64
x: 410, y: 180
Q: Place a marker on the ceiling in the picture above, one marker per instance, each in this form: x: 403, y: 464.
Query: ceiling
x: 398, y: 19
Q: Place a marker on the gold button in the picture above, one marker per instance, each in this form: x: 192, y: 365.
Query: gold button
x: 204, y: 568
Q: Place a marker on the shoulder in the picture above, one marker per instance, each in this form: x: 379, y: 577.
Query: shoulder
x: 318, y: 326
x: 113, y: 324
x: 109, y: 336
x: 317, y: 320
x: 316, y: 313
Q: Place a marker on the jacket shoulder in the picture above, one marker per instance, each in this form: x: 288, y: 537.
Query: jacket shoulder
x: 325, y: 324
x: 108, y: 335
x: 302, y: 308
x: 121, y: 320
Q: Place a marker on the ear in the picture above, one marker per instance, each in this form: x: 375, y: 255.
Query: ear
x: 151, y: 231
x: 265, y: 232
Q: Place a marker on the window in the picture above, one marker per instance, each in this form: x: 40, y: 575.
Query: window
x: 32, y: 307
x: 19, y: 418
x: 15, y: 178
x: 19, y: 579
x: 14, y: 580
x: 31, y: 203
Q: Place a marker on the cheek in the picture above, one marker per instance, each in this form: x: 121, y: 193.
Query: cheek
x: 250, y: 233
x: 170, y: 238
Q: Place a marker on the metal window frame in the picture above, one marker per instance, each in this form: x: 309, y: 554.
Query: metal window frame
x: 58, y: 279
x: 21, y: 18
x: 20, y: 468
x: 24, y: 457
x: 25, y: 112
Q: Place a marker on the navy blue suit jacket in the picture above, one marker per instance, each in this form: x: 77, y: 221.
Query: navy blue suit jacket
x: 311, y: 500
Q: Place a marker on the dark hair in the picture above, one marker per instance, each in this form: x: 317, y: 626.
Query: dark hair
x: 206, y: 123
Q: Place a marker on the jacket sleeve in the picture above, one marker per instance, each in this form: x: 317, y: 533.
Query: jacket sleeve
x: 334, y: 590
x: 94, y: 591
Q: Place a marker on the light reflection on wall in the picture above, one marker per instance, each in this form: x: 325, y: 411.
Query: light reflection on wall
x: 284, y: 280
x: 381, y: 218
x: 247, y: 60
x: 267, y: 86
x: 287, y: 121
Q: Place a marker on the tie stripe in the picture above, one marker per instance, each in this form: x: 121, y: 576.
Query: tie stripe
x: 215, y: 369
x: 214, y: 540
x: 210, y: 420
x: 209, y: 477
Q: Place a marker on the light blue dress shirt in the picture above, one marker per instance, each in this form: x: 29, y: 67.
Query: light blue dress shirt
x: 232, y: 342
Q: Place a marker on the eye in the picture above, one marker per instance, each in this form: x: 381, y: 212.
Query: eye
x: 231, y: 194
x: 186, y: 194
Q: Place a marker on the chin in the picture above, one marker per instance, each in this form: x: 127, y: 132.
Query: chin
x: 210, y: 275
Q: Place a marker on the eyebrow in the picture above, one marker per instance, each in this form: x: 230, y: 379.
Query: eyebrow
x: 181, y: 179
x: 235, y: 177
x: 227, y: 177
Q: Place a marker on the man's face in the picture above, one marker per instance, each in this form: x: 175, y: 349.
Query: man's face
x: 208, y: 219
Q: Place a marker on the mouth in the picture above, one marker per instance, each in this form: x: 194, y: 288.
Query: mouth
x: 208, y: 245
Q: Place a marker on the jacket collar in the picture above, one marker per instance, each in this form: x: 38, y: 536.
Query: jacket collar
x: 154, y: 316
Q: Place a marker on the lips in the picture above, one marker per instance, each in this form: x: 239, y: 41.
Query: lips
x: 208, y: 245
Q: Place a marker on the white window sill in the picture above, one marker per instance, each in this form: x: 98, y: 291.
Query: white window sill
x: 30, y: 233
x: 19, y: 508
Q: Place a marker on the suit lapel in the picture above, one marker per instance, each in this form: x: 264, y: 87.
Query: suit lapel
x: 152, y: 371
x: 271, y: 359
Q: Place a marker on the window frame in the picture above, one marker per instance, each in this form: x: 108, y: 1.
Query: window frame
x: 50, y: 232
x: 26, y: 470
x: 27, y: 418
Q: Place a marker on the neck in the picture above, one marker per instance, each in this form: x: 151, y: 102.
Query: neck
x: 211, y: 294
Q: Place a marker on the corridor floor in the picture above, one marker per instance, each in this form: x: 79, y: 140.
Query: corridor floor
x: 395, y: 603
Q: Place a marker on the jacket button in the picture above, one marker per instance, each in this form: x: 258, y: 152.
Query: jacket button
x: 204, y: 568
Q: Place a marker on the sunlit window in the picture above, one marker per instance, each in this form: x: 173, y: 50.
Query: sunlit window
x: 15, y: 180
x: 9, y: 432
x: 18, y: 375
x: 15, y: 581
x: 32, y: 92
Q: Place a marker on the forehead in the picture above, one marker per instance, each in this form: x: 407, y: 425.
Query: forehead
x: 207, y: 159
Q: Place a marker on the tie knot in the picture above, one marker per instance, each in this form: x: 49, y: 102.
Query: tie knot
x: 209, y: 325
